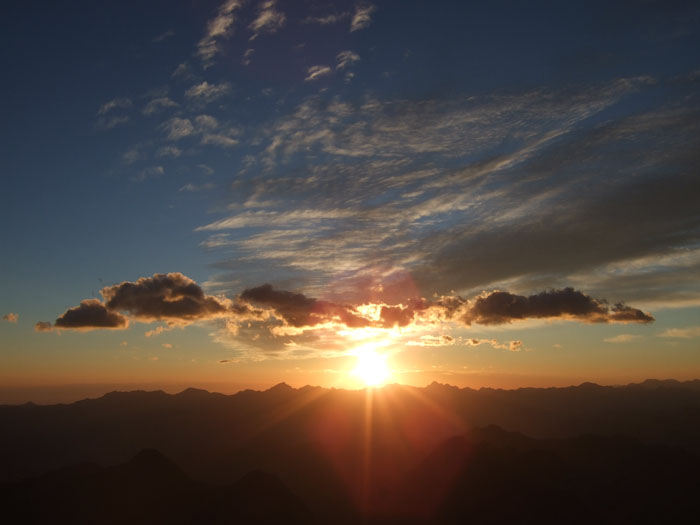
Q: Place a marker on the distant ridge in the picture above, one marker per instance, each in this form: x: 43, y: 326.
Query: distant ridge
x: 192, y: 392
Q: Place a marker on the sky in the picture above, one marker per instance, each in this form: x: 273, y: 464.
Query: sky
x: 233, y: 194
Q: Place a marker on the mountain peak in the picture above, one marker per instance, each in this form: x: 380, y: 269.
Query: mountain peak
x: 280, y: 387
x: 191, y: 392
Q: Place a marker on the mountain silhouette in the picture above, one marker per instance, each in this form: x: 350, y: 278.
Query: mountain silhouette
x: 492, y: 476
x: 149, y: 489
x: 393, y: 453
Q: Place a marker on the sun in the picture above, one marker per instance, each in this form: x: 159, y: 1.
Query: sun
x: 371, y: 367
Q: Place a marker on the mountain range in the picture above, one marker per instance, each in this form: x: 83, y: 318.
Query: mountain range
x: 396, y: 454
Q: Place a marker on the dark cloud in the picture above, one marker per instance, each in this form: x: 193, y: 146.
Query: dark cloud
x: 294, y: 308
x: 90, y: 314
x: 396, y: 316
x: 172, y: 297
x: 503, y: 307
x: 621, y: 313
x: 298, y: 310
x: 177, y: 299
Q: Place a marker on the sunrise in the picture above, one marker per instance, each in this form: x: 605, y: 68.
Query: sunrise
x: 381, y: 262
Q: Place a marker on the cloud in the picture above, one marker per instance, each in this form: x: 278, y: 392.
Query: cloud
x: 346, y: 58
x: 171, y: 297
x: 91, y: 314
x: 248, y: 56
x: 433, y: 340
x: 11, y: 317
x: 302, y: 312
x: 169, y: 151
x: 164, y: 36
x: 112, y: 122
x: 515, y: 346
x: 623, y: 338
x: 43, y: 326
x: 219, y: 140
x: 502, y: 307
x: 205, y: 123
x: 115, y: 103
x: 202, y: 125
x: 156, y: 331
x: 328, y: 19
x: 396, y: 316
x: 206, y: 93
x: 182, y: 71
x: 206, y: 169
x: 133, y: 155
x: 265, y: 218
x: 511, y: 346
x: 682, y: 333
x: 298, y: 310
x: 158, y: 104
x: 218, y: 28
x: 362, y: 17
x: 178, y: 128
x: 152, y: 171
x: 269, y: 19
x: 275, y: 322
x: 485, y: 192
x: 194, y: 187
x: 316, y: 72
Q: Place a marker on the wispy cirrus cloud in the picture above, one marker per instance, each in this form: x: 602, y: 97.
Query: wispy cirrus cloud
x: 346, y: 58
x: 108, y: 123
x: 682, y: 333
x: 168, y: 151
x: 164, y: 36
x: 157, y: 105
x: 623, y: 339
x: 316, y: 72
x: 268, y: 20
x: 115, y: 103
x: 328, y: 19
x: 362, y: 17
x: 107, y: 119
x: 206, y: 93
x: 177, y: 128
x: 218, y: 28
x: 474, y: 193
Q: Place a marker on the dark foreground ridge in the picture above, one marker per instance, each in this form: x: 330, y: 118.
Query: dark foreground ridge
x: 398, y: 454
x: 149, y: 489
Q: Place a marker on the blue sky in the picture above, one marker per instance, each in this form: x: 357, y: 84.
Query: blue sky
x: 351, y: 155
